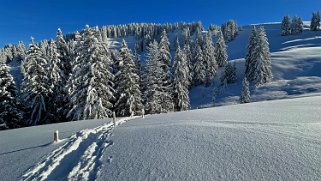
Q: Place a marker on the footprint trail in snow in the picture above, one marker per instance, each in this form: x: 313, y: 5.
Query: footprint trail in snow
x: 78, y: 159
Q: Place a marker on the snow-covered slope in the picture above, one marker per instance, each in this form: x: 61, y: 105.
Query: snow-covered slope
x: 22, y: 148
x: 274, y: 140
x: 296, y: 62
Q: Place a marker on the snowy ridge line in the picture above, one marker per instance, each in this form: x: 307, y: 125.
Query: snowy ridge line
x: 82, y: 153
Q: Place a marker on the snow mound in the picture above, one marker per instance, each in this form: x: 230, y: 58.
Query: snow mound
x: 78, y: 159
x: 273, y: 140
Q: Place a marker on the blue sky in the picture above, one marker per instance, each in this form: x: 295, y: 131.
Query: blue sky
x: 21, y: 19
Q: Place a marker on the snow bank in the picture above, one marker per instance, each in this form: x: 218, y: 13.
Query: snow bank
x: 275, y: 140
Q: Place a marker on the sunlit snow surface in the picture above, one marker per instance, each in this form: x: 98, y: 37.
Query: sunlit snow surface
x: 275, y: 140
x: 296, y: 65
x: 269, y: 140
x: 272, y: 140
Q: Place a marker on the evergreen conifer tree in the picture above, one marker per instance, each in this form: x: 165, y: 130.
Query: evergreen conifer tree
x: 220, y: 50
x: 180, y: 82
x: 55, y: 82
x: 300, y: 24
x: 209, y: 57
x: 295, y: 26
x: 10, y: 115
x: 199, y: 71
x: 165, y: 55
x: 128, y: 95
x: 249, y: 59
x: 93, y: 81
x: 157, y: 96
x: 65, y: 65
x: 229, y: 74
x: 262, y: 67
x: 35, y: 86
x: 315, y: 21
x: 286, y: 26
x: 245, y: 97
x: 189, y: 59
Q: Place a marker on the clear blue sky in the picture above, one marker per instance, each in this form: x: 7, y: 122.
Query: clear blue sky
x: 21, y: 19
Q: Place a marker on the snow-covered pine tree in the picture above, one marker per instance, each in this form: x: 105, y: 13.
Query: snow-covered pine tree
x: 65, y: 65
x: 189, y: 59
x: 158, y: 97
x: 128, y: 94
x: 7, y: 54
x: 263, y: 68
x: 229, y: 30
x: 245, y: 97
x: 104, y: 34
x: 286, y: 26
x: 55, y: 82
x: 198, y: 39
x: 10, y: 115
x: 220, y: 50
x: 300, y: 24
x: 229, y: 73
x: 70, y: 87
x: 21, y: 49
x: 16, y: 57
x: 199, y: 70
x: 176, y: 43
x: 315, y: 21
x: 186, y: 36
x: 35, y: 86
x: 43, y: 45
x: 165, y: 63
x: 180, y: 81
x: 165, y: 55
x: 64, y: 56
x: 209, y: 57
x: 295, y: 26
x: 249, y: 59
x: 138, y: 63
x: 93, y: 81
x: 152, y: 77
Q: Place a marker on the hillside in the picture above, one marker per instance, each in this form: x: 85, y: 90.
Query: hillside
x: 296, y: 61
x: 264, y: 140
x: 274, y: 140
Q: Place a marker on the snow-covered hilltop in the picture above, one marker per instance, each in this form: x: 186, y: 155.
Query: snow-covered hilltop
x: 296, y: 61
x: 162, y: 72
x: 274, y: 140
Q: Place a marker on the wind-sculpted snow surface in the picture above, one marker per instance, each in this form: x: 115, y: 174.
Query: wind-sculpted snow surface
x: 274, y: 140
x: 78, y: 159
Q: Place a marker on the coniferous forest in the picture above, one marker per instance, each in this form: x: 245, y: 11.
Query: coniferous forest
x: 79, y: 76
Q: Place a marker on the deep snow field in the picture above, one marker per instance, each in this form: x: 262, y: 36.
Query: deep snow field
x: 271, y: 140
x: 296, y: 65
x: 264, y: 140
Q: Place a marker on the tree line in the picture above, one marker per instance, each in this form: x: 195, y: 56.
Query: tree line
x: 296, y: 26
x: 77, y: 76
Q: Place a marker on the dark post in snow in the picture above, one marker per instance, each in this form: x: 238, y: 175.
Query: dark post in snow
x: 114, y: 118
x: 56, y: 136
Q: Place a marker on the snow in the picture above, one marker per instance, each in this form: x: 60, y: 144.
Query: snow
x: 266, y: 140
x: 275, y: 140
x: 271, y: 140
x: 296, y: 64
x: 22, y: 148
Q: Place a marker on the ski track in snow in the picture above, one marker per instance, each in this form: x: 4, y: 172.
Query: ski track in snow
x: 78, y: 159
